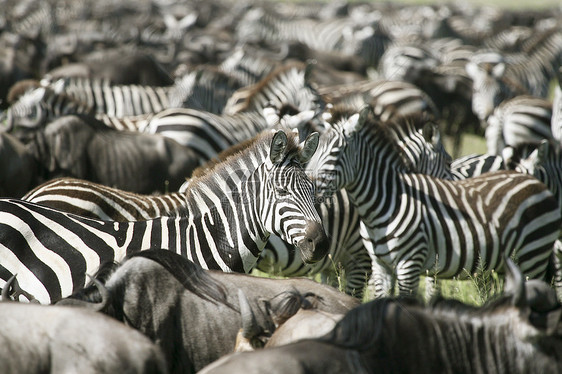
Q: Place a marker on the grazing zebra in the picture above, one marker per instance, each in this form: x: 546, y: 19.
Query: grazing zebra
x: 413, y: 223
x: 230, y: 213
x: 288, y: 85
x: 519, y: 120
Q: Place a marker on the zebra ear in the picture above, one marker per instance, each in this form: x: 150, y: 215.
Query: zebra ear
x: 278, y: 145
x: 271, y: 115
x: 514, y: 284
x: 308, y: 71
x: 309, y: 147
x: 471, y: 69
x: 356, y: 121
x: 542, y: 151
x: 498, y: 70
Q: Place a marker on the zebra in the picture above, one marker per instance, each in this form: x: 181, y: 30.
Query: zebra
x: 473, y: 165
x: 413, y: 223
x: 498, y: 77
x: 556, y: 120
x: 490, y: 86
x: 389, y: 98
x: 419, y: 145
x: 230, y: 213
x: 116, y: 100
x: 206, y: 133
x: 287, y: 86
x: 39, y: 105
x: 98, y: 201
x: 544, y: 162
x: 518, y: 120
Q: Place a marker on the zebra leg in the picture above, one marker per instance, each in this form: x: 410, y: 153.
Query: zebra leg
x: 357, y: 270
x: 558, y: 268
x: 408, y: 277
x: 381, y: 282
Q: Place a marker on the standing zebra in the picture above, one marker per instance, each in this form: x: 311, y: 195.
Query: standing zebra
x: 419, y: 145
x: 544, y: 162
x: 413, y: 223
x: 230, y: 213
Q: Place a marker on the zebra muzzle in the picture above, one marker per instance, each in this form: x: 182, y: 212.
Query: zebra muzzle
x: 315, y: 244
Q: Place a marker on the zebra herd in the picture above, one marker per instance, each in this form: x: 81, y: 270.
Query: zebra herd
x: 299, y: 139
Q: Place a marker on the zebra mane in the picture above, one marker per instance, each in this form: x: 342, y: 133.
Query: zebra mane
x: 248, y: 150
x: 388, y: 132
x: 222, y: 156
x: 20, y: 88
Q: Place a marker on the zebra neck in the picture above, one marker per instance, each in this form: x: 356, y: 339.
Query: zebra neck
x: 229, y: 222
x: 377, y: 185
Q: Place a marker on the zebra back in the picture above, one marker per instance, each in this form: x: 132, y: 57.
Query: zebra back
x: 206, y: 133
x: 101, y: 202
x: 117, y: 100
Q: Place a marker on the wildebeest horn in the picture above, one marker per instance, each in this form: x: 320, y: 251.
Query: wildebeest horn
x: 7, y: 288
x: 250, y: 326
x: 97, y: 307
x: 515, y: 284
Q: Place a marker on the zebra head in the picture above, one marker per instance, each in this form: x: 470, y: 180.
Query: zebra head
x: 28, y: 111
x: 37, y: 106
x: 410, y: 141
x: 490, y: 85
x: 288, y: 209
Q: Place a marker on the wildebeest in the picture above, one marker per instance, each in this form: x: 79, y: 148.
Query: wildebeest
x: 84, y: 148
x: 19, y: 171
x: 58, y: 339
x: 400, y: 335
x: 191, y: 313
x: 296, y: 317
x: 116, y: 67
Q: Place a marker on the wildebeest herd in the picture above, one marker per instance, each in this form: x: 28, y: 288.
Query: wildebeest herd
x: 154, y: 153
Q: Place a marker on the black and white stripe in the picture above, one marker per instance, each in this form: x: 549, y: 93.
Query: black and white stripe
x: 520, y: 120
x: 420, y: 147
x: 286, y: 86
x: 414, y: 223
x: 93, y: 200
x: 206, y: 133
x: 229, y: 215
